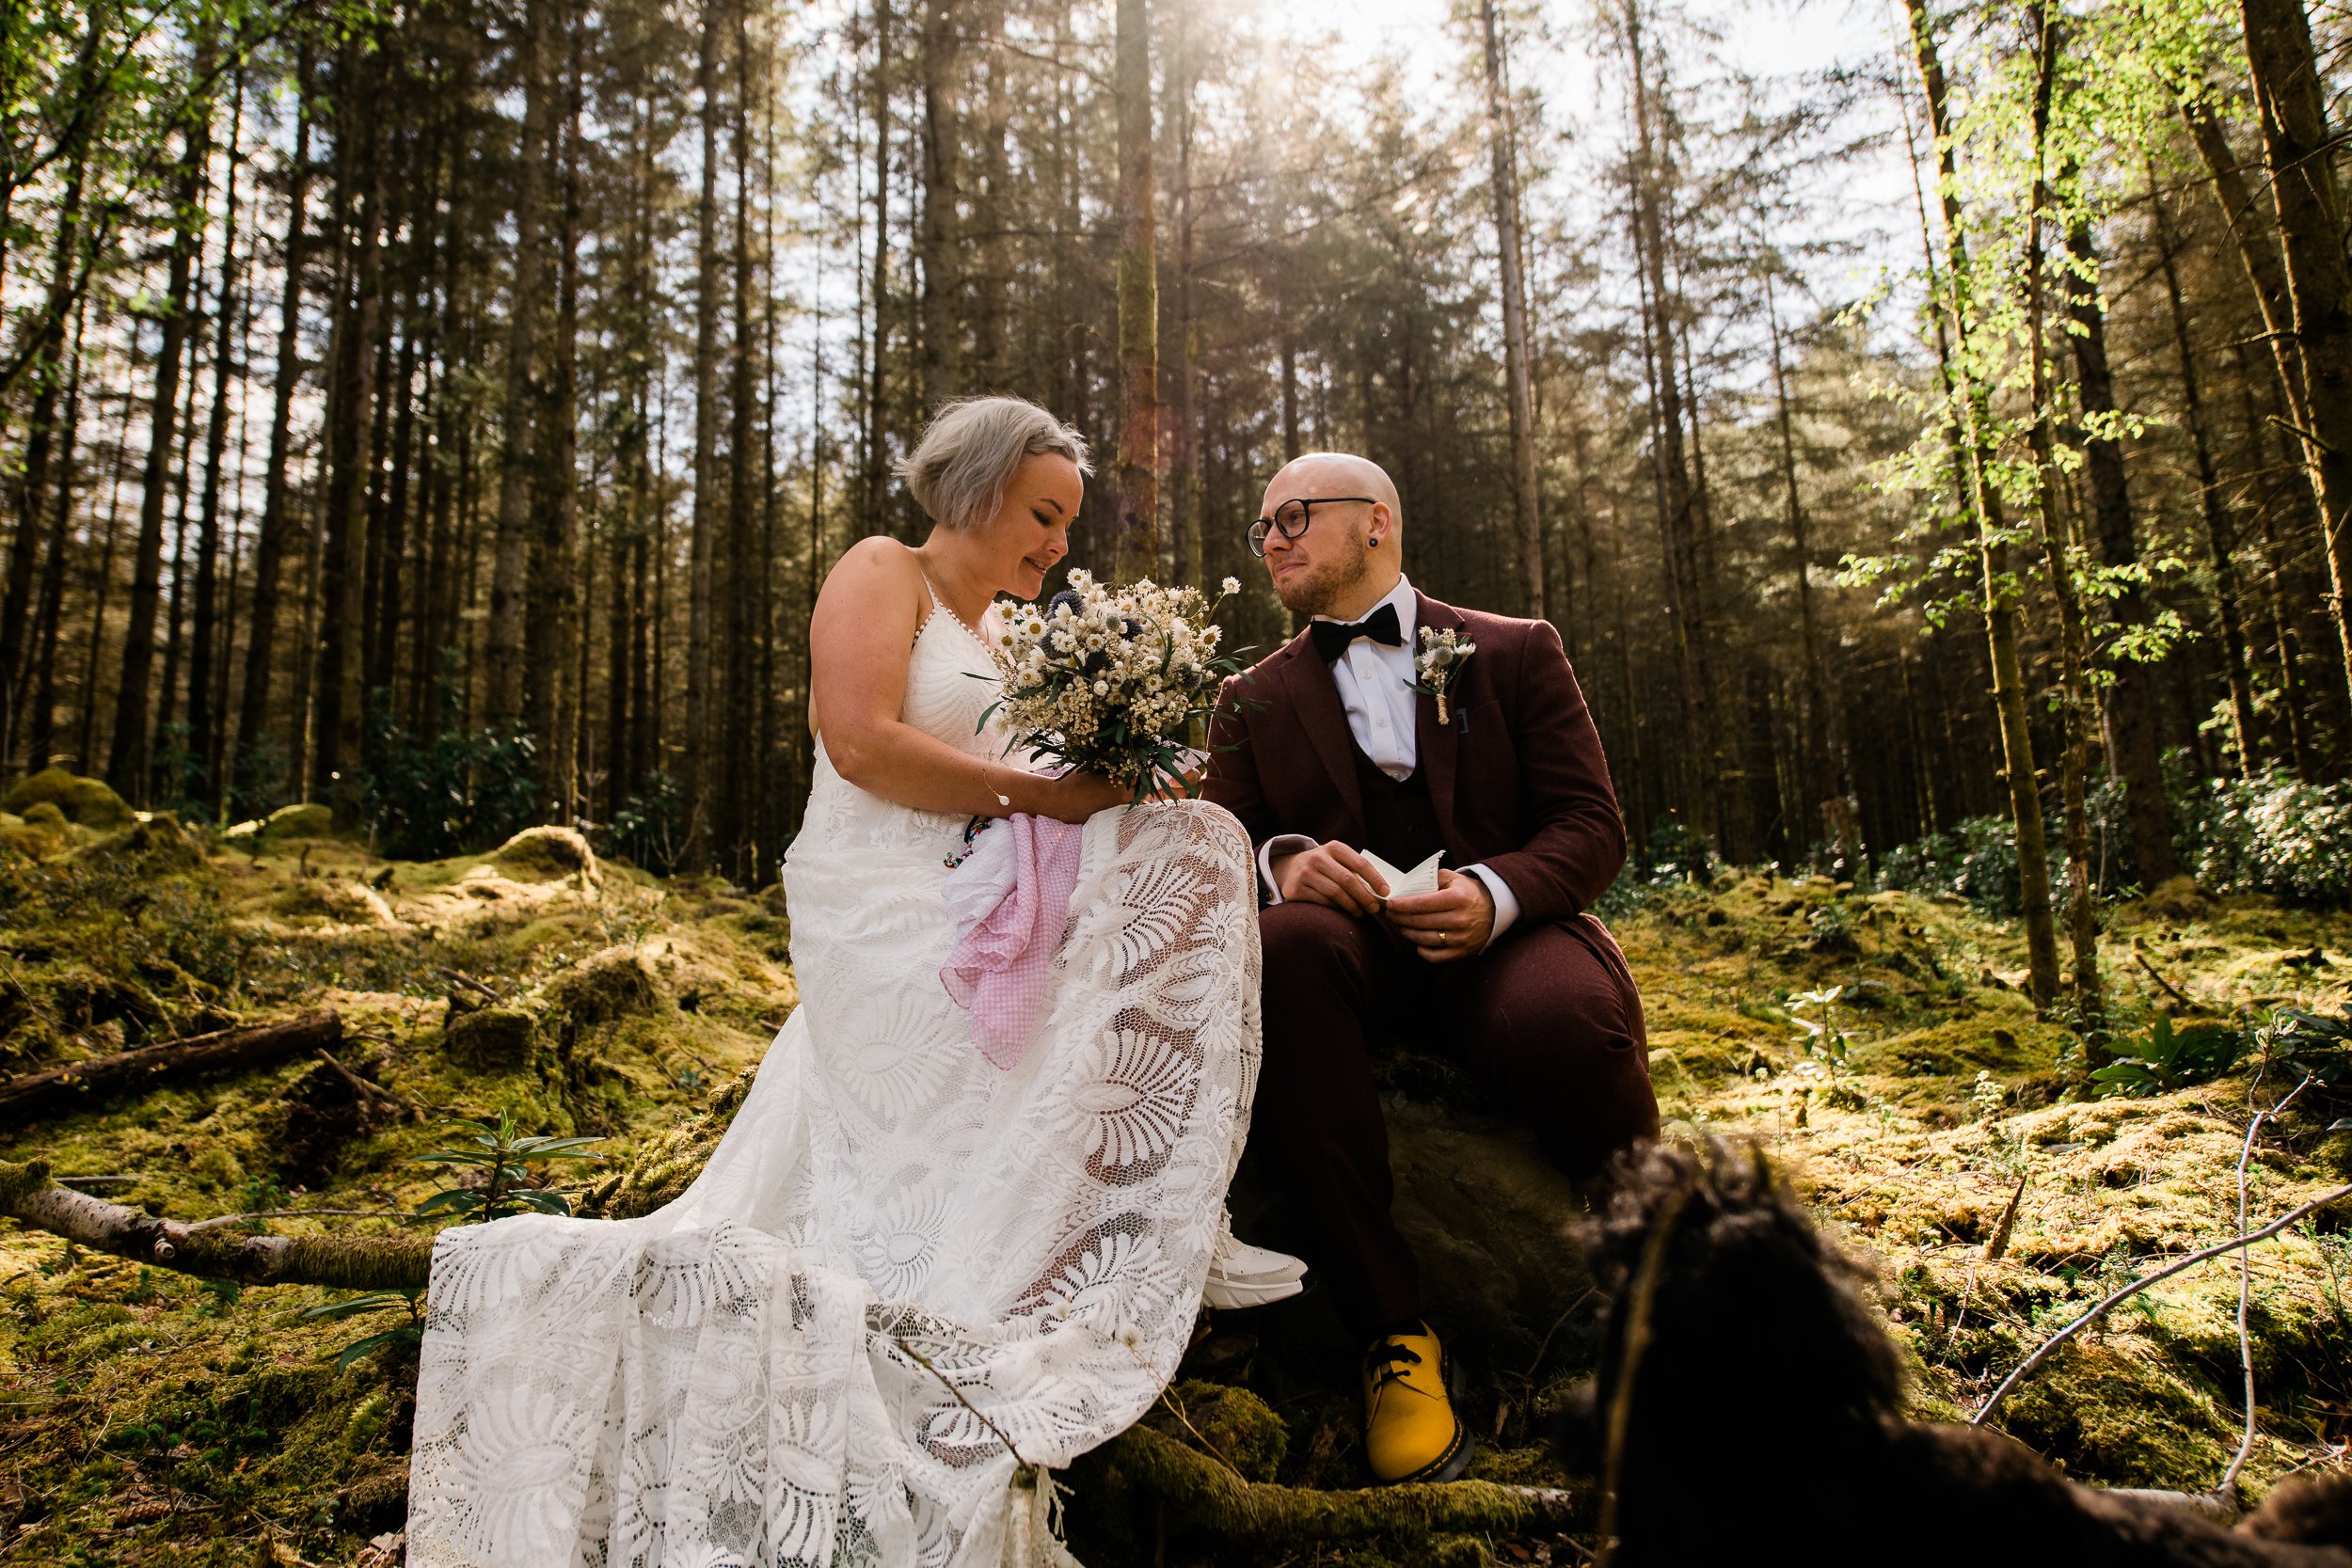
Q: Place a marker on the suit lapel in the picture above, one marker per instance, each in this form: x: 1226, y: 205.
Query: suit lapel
x: 1316, y: 702
x: 1437, y: 745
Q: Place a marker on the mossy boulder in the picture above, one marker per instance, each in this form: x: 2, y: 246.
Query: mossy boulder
x: 1237, y: 1425
x: 543, y: 854
x: 41, y: 832
x: 84, y: 802
x: 494, y: 1036
x: 343, y: 903
x: 306, y: 820
x: 156, y: 841
x: 606, y: 987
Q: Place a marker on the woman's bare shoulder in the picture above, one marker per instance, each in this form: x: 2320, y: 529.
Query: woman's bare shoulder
x: 879, y: 573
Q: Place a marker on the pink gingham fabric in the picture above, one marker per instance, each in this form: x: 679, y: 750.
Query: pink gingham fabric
x: 1009, y: 898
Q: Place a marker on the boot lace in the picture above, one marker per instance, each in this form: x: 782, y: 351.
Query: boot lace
x: 1386, y: 1362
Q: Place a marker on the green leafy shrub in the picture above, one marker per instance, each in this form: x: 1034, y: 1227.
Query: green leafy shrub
x: 452, y: 795
x: 2270, y: 833
x: 2169, y: 1058
x: 649, y: 831
x: 1675, y: 855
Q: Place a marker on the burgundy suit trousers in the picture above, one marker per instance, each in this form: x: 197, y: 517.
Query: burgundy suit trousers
x: 1547, y: 1023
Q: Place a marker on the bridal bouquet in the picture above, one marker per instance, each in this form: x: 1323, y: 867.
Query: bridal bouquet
x: 1110, y: 679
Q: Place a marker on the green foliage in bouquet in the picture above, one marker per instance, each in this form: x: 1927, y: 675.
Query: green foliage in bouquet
x: 1113, y: 680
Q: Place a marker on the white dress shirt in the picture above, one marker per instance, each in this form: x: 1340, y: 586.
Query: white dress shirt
x: 1376, y: 687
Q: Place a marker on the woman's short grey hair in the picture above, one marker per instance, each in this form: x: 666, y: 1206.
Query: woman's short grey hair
x: 958, y: 471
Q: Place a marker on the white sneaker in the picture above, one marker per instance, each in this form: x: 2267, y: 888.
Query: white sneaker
x: 1243, y: 1276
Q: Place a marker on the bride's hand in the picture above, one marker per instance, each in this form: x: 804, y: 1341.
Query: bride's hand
x: 1075, y: 797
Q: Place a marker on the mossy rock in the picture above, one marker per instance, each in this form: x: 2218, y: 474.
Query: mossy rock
x: 1235, y: 1423
x: 156, y: 841
x: 344, y: 903
x: 2178, y: 898
x: 495, y: 1036
x: 605, y: 987
x: 2119, y: 1418
x: 543, y: 854
x: 84, y: 802
x: 41, y: 832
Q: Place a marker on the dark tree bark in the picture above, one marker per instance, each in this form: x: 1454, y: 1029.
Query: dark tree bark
x: 339, y: 728
x: 507, y: 673
x: 1139, y: 500
x: 202, y: 717
x: 1503, y: 155
x: 2133, y: 748
x: 1999, y: 586
x: 269, y: 547
x: 130, y: 755
x: 2300, y: 147
x: 2220, y: 534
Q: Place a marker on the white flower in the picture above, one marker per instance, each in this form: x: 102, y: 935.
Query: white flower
x: 1231, y: 585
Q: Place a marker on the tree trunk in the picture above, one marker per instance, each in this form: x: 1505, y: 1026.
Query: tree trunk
x: 269, y: 548
x: 48, y: 617
x: 66, y: 271
x: 2300, y: 149
x: 1184, y: 544
x: 2220, y: 535
x: 339, y: 727
x: 2131, y: 721
x: 694, y: 761
x: 1999, y: 587
x: 518, y: 491
x: 2057, y: 555
x: 201, y: 715
x: 1816, y: 743
x: 939, y: 241
x: 1138, y: 506
x: 877, y: 402
x: 550, y: 599
x: 129, y: 755
x: 1516, y: 354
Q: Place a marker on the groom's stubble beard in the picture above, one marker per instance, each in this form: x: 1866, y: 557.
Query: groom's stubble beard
x: 1316, y: 590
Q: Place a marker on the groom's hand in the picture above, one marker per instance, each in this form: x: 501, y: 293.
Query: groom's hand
x: 1449, y: 924
x: 1330, y: 874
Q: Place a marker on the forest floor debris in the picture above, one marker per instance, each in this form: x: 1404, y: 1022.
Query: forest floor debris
x: 1878, y: 1042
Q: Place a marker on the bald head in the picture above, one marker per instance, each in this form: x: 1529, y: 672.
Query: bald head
x: 1346, y: 559
x: 1335, y: 473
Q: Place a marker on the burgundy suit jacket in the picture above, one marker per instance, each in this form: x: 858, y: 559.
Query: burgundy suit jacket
x: 1517, y: 778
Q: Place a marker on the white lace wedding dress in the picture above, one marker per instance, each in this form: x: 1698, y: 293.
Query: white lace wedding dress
x: 902, y: 1265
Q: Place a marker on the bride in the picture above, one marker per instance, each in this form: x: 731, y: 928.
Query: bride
x: 907, y: 1277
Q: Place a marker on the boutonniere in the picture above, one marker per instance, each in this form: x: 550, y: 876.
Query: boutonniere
x: 1441, y: 658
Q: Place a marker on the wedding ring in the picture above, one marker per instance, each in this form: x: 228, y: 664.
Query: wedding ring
x: 1444, y: 938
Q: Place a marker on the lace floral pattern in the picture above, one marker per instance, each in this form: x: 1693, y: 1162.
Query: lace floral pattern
x: 760, y: 1373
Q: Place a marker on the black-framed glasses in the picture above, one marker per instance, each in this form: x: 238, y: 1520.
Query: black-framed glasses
x: 1292, y: 517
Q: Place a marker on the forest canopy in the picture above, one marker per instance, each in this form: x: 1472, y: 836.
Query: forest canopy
x: 1933, y: 457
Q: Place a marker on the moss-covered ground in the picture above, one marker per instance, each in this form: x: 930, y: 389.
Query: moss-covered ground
x: 149, y: 1417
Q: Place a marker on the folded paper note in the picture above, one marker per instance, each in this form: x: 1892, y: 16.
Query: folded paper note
x: 1407, y: 884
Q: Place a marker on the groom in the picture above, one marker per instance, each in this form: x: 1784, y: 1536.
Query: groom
x: 1323, y: 750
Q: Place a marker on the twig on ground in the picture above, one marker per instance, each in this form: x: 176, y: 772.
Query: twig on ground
x: 415, y: 1107
x: 2118, y: 1297
x: 2170, y: 988
x: 456, y: 978
x: 2228, y: 1489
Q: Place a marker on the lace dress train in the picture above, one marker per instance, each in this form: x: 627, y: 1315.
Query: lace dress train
x: 901, y: 1257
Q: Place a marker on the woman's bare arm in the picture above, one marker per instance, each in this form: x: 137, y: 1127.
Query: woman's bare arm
x: 861, y: 640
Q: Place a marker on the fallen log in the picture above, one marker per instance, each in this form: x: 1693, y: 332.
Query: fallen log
x: 1209, y: 1496
x: 247, y: 1046
x: 340, y: 1262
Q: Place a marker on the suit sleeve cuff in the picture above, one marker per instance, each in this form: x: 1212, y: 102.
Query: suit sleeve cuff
x: 1281, y: 844
x: 1506, y: 902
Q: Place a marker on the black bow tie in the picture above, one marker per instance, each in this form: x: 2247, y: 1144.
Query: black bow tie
x: 1332, y: 637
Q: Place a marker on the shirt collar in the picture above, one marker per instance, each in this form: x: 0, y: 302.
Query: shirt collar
x: 1407, y: 606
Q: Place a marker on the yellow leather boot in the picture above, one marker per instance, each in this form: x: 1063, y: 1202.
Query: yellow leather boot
x: 1410, y: 1430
